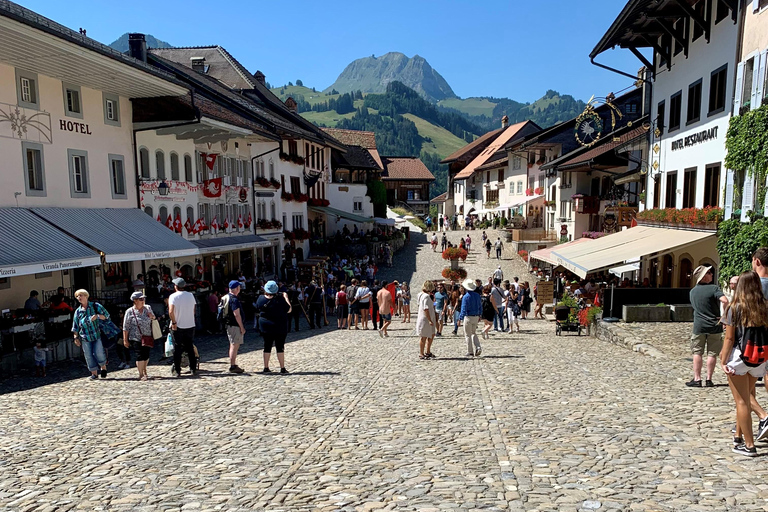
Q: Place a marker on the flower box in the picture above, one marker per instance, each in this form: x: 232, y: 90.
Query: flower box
x: 539, y: 191
x: 645, y: 313
x: 705, y: 218
x: 529, y: 191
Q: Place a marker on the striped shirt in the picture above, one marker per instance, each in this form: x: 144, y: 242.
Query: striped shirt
x: 82, y: 325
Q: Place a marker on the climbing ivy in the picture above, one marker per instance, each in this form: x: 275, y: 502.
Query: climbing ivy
x: 747, y: 145
x: 737, y: 242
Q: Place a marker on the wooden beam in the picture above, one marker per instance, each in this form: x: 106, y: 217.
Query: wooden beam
x: 660, y: 50
x: 701, y: 22
x: 642, y: 59
x: 670, y: 29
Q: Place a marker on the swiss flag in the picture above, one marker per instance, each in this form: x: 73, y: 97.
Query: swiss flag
x: 226, y: 224
x: 158, y: 218
x: 212, y: 188
x: 169, y: 222
x: 177, y: 224
x: 215, y: 224
x: 210, y: 160
x: 188, y: 226
x: 249, y: 221
x: 240, y: 224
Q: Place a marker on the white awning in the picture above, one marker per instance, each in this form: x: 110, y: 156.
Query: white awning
x: 613, y: 250
x: 545, y: 255
x: 623, y: 269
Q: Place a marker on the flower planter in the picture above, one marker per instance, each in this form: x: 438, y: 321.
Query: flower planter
x: 645, y: 313
x: 681, y: 313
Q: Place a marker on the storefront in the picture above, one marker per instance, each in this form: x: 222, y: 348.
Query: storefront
x: 223, y: 257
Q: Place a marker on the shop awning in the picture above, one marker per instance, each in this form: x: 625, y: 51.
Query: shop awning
x: 385, y: 222
x: 327, y: 210
x: 122, y: 234
x: 623, y: 269
x: 31, y: 246
x: 545, y: 255
x: 230, y: 243
x: 613, y: 250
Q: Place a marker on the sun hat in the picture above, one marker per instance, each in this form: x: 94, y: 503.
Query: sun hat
x: 700, y: 272
x: 469, y: 284
x: 271, y: 287
x: 137, y: 296
x: 181, y: 283
x: 234, y: 284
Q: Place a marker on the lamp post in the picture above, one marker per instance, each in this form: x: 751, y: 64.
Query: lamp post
x: 163, y: 188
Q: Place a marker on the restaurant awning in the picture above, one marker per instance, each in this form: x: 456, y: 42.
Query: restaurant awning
x: 545, y: 255
x: 32, y: 246
x: 121, y: 234
x: 230, y: 243
x: 613, y: 250
x: 623, y: 269
x: 327, y: 210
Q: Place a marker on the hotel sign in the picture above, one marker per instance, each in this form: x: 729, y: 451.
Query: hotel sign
x: 696, y: 138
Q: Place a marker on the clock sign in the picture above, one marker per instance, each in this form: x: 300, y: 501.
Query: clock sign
x: 589, y: 128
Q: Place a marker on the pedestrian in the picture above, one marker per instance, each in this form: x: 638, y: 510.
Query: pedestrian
x: 525, y: 300
x: 513, y: 308
x: 313, y: 297
x: 353, y: 305
x: 457, y: 295
x: 441, y: 297
x: 426, y: 321
x: 498, y: 273
x: 538, y: 310
x: 499, y: 247
x: 706, y: 298
x: 342, y: 308
x: 181, y: 310
x: 433, y: 242
x: 40, y: 359
x: 489, y: 312
x: 470, y: 312
x: 405, y: 295
x: 429, y: 223
x: 468, y: 242
x: 497, y: 299
x: 375, y: 316
x: 296, y: 307
x: 363, y: 299
x: 85, y: 326
x: 444, y: 242
x: 211, y: 312
x: 233, y: 318
x: 440, y: 222
x: 743, y: 357
x: 137, y: 331
x: 273, y: 308
x: 384, y: 299
x: 484, y: 238
x: 32, y: 303
x: 488, y: 246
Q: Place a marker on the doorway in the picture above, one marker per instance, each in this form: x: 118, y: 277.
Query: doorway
x: 667, y: 268
x: 686, y: 271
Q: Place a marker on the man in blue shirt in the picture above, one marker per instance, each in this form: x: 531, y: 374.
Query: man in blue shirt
x: 471, y: 308
x: 440, y: 296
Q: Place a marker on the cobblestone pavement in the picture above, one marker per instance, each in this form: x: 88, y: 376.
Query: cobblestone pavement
x: 538, y: 423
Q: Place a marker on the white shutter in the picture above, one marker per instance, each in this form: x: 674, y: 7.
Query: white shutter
x: 760, y: 79
x: 728, y: 194
x: 755, y: 80
x: 755, y: 5
x: 748, y: 201
x: 737, y: 92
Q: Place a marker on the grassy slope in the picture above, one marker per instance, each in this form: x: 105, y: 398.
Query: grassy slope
x: 470, y: 106
x: 443, y: 142
x: 310, y: 97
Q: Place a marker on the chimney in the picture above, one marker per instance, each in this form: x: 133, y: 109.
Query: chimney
x: 137, y: 47
x: 259, y: 76
x: 291, y: 104
x: 504, y: 122
x: 198, y: 64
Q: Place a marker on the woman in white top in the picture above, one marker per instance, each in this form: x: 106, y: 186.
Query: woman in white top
x: 363, y: 296
x: 426, y: 320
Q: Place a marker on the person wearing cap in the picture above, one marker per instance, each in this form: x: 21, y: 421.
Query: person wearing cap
x: 233, y: 317
x: 498, y: 273
x: 707, y: 333
x: 181, y: 310
x: 137, y: 323
x: 273, y: 308
x: 471, y: 309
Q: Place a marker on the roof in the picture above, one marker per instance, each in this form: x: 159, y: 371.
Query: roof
x: 608, y: 142
x: 328, y: 210
x: 355, y: 158
x: 509, y: 133
x: 495, y: 163
x: 360, y: 138
x: 441, y: 198
x: 478, y: 143
x: 122, y: 234
x: 230, y: 243
x: 405, y: 168
x: 31, y: 245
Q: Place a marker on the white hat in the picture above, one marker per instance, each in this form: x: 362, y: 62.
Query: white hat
x: 469, y: 284
x: 700, y: 272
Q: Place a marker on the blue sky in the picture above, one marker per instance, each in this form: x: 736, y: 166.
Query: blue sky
x: 514, y: 48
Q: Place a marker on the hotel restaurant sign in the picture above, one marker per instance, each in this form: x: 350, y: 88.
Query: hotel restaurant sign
x: 49, y: 266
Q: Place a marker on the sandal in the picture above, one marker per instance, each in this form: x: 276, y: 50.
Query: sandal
x: 422, y: 357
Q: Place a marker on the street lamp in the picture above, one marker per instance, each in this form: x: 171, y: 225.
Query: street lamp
x: 163, y: 188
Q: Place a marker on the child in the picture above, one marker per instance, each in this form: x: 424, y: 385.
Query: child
x: 40, y: 359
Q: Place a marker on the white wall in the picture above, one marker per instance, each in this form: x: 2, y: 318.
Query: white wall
x: 342, y: 196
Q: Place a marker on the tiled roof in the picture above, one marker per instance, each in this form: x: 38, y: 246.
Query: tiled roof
x: 405, y: 168
x: 223, y: 66
x: 479, y: 142
x: 494, y: 164
x: 507, y: 135
x: 355, y: 158
x: 360, y: 138
x: 441, y: 198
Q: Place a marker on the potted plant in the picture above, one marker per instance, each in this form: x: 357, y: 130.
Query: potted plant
x: 457, y: 274
x: 523, y: 254
x: 275, y: 183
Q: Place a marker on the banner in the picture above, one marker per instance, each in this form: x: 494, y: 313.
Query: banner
x: 212, y: 188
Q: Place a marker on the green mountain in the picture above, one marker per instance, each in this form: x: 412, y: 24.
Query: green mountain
x: 373, y: 74
x: 121, y: 44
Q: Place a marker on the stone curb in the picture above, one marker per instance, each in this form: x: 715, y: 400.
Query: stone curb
x: 612, y: 333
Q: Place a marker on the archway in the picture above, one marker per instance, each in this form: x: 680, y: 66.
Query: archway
x: 667, y: 269
x: 685, y: 272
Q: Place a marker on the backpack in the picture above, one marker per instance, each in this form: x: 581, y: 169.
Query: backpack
x: 754, y: 346
x: 223, y: 310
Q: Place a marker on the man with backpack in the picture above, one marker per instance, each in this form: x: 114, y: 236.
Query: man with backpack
x: 314, y: 305
x: 231, y: 314
x: 498, y: 274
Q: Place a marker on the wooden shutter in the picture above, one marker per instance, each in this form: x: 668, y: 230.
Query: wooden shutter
x: 737, y: 92
x: 728, y: 194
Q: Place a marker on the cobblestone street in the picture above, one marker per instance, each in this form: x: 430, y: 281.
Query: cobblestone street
x: 538, y: 423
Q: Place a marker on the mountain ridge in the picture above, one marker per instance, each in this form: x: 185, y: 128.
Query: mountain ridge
x: 121, y: 43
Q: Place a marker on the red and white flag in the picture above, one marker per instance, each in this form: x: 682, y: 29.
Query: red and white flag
x: 199, y: 226
x: 215, y: 224
x: 158, y: 218
x: 189, y: 227
x: 177, y: 224
x: 210, y: 159
x: 212, y: 188
x: 169, y: 222
x: 226, y: 224
x: 240, y: 224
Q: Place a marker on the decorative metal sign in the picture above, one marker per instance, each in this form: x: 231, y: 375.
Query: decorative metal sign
x: 589, y: 125
x: 25, y: 124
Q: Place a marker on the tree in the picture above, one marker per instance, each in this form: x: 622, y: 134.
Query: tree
x: 313, y: 90
x: 299, y: 83
x: 290, y: 84
x: 334, y: 91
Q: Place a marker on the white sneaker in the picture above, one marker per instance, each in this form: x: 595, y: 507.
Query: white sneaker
x: 381, y: 334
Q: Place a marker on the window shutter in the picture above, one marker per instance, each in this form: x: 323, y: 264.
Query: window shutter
x: 760, y: 79
x: 728, y: 194
x: 755, y: 80
x: 755, y: 5
x: 748, y: 201
x: 739, y: 89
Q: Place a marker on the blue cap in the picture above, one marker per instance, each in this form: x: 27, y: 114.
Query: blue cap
x: 234, y: 284
x: 271, y: 287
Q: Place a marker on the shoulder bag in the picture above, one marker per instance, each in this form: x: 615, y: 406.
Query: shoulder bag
x: 146, y: 341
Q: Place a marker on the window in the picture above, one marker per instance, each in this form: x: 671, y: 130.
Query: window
x: 111, y: 109
x: 410, y: 195
x: 694, y: 102
x: 675, y: 110
x: 163, y: 214
x: 565, y: 210
x: 712, y: 185
x: 520, y: 187
x: 689, y: 188
x: 670, y: 201
x: 295, y: 185
x: 488, y: 176
x: 79, y: 184
x: 500, y: 175
x: 660, y: 117
x: 749, y: 72
x: 160, y: 164
x: 34, y: 173
x: 26, y: 89
x: 702, y: 8
x: 566, y: 180
x: 188, y: 168
x: 293, y: 148
x: 630, y: 108
x: 174, y: 167
x: 148, y: 211
x: 117, y: 176
x: 717, y: 87
x: 357, y: 205
x: 72, y: 105
x: 272, y: 211
x: 307, y: 151
x: 665, y: 43
x: 298, y: 221
x: 271, y: 169
x: 144, y: 163
x: 657, y: 193
x: 517, y: 163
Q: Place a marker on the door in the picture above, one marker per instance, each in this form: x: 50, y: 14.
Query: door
x: 666, y: 271
x: 686, y: 270
x: 83, y: 278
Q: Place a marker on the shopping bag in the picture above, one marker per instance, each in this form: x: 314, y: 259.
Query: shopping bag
x: 169, y: 345
x: 157, y: 332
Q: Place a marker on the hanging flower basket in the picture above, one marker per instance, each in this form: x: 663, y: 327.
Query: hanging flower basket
x: 529, y: 191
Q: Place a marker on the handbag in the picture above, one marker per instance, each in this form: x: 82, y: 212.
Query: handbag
x: 146, y: 341
x: 157, y: 332
x: 107, y: 327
